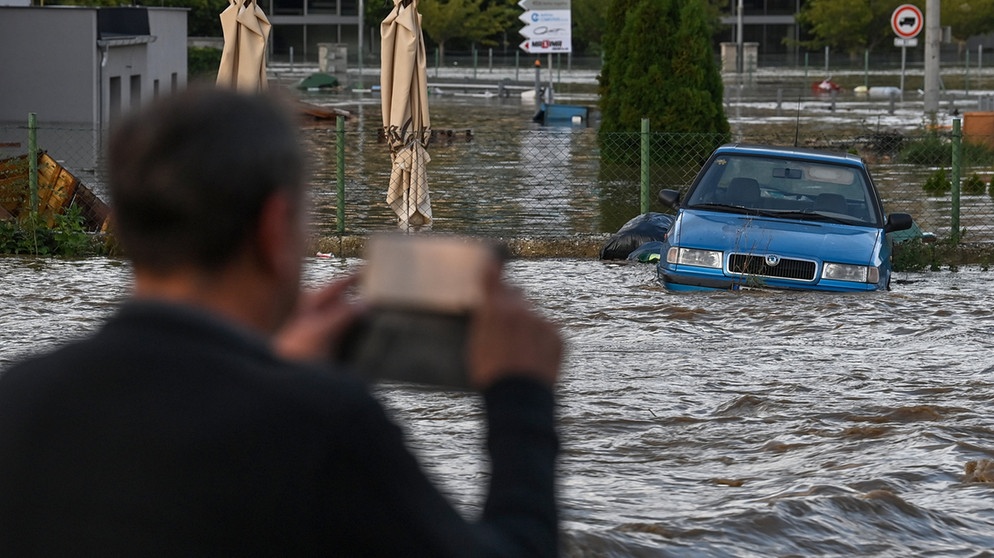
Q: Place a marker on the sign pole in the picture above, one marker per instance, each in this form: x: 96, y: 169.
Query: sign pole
x: 904, y: 57
x: 907, y: 22
x: 550, y: 80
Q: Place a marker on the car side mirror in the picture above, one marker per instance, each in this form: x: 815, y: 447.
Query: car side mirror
x: 898, y: 222
x: 670, y: 198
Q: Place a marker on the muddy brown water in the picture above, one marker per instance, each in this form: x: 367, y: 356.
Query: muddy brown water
x: 756, y: 423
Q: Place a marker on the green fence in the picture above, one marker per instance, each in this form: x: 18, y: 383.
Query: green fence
x: 551, y: 182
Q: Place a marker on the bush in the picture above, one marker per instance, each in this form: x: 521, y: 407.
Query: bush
x: 937, y: 184
x: 930, y: 150
x: 973, y: 185
x: 66, y: 238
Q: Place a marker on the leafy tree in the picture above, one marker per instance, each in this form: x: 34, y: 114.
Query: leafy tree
x: 659, y: 65
x: 851, y: 26
x: 588, y: 24
x: 443, y: 20
x: 967, y: 18
x: 857, y: 25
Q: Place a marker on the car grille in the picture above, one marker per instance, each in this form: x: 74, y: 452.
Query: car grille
x: 756, y: 265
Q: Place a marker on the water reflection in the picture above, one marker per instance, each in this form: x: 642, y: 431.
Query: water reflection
x: 498, y: 174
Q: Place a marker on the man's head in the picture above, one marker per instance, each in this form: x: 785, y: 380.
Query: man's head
x: 189, y: 176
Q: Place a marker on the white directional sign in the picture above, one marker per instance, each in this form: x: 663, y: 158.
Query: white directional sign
x: 548, y: 26
x: 544, y: 4
x: 907, y: 21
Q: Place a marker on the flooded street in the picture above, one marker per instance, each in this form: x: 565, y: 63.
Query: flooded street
x: 752, y: 423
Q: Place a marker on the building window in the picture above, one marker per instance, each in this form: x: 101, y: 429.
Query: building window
x: 136, y: 92
x: 288, y: 7
x: 114, y: 98
x: 174, y: 82
x: 155, y: 89
x: 322, y: 6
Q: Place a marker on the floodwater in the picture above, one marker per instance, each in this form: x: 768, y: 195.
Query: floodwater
x: 753, y: 423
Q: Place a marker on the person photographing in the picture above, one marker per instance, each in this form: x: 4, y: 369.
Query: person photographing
x: 206, y: 418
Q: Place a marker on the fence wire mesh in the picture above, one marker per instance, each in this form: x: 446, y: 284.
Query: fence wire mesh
x: 549, y: 182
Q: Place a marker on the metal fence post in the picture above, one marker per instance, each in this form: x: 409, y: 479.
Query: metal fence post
x: 957, y: 154
x: 33, y: 163
x: 340, y: 172
x: 644, y: 159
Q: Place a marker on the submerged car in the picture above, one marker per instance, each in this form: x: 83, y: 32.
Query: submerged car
x: 779, y: 217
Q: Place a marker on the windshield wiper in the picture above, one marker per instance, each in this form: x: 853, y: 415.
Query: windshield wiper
x: 730, y: 208
x: 817, y: 216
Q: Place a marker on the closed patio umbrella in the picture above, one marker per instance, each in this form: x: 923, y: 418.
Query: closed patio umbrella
x: 243, y: 59
x: 404, y: 93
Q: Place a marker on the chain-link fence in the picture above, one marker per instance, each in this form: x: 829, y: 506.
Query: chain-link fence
x: 550, y: 182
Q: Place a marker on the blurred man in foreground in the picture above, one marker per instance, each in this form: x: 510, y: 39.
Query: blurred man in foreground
x: 205, y: 417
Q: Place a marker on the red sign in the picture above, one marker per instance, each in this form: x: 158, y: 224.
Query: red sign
x: 907, y: 21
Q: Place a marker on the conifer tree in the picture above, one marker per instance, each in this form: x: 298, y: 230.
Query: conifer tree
x: 659, y: 65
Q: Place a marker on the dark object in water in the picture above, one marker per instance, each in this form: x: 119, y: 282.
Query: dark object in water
x: 650, y: 252
x: 645, y: 228
x: 318, y: 81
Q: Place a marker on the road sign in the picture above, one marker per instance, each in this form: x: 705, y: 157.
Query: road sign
x: 543, y: 46
x: 559, y: 18
x: 899, y: 42
x: 544, y: 4
x: 547, y: 30
x: 907, y: 21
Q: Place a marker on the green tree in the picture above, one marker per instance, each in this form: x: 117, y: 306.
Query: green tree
x: 589, y: 17
x: 854, y: 26
x: 659, y: 64
x: 443, y: 20
x: 967, y: 18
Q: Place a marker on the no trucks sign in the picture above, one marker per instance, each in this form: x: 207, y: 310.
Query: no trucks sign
x: 907, y: 21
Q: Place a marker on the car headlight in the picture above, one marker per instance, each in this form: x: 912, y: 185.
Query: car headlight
x: 854, y: 273
x: 690, y: 256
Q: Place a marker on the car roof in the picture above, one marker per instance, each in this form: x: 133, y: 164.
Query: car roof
x: 803, y: 152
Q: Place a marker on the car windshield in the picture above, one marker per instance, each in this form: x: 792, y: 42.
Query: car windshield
x: 783, y: 187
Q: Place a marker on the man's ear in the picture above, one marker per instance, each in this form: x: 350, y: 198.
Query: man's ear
x: 276, y: 236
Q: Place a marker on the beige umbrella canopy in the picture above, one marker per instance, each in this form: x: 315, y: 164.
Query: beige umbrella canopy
x: 243, y: 60
x: 404, y: 93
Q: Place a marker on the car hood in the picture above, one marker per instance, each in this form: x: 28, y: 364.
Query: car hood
x: 786, y: 237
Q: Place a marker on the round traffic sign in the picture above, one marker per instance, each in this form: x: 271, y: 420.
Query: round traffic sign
x: 907, y: 21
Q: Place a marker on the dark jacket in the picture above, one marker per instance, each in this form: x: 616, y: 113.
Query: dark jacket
x: 170, y: 432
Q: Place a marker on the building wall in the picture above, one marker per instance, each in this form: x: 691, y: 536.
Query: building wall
x: 52, y: 64
x: 48, y: 64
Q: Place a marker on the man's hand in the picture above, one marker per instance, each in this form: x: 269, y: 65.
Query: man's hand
x: 509, y: 338
x: 316, y: 327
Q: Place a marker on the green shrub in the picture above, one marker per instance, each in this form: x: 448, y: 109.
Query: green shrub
x: 914, y: 255
x: 973, y: 185
x: 937, y: 184
x: 66, y: 237
x: 930, y: 150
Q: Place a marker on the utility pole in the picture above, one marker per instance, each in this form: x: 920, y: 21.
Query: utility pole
x: 739, y: 47
x: 362, y: 23
x: 933, y: 39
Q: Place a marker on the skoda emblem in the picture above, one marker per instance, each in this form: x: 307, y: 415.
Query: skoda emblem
x: 772, y: 260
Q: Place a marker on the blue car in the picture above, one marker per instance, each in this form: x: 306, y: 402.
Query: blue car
x: 779, y: 217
